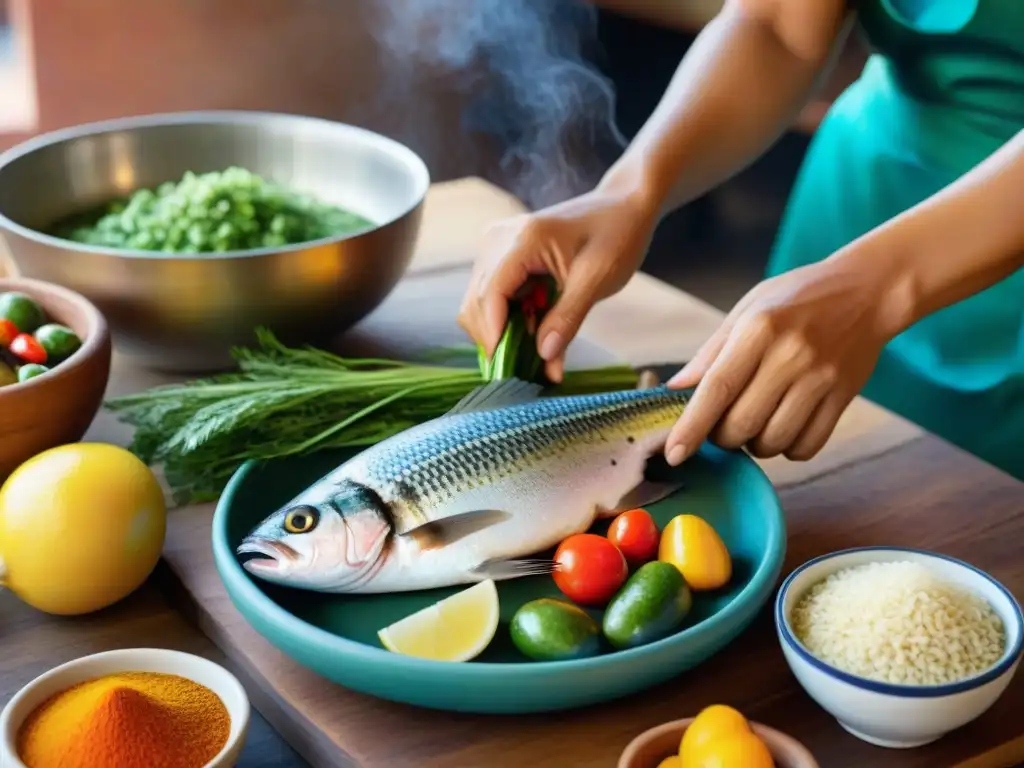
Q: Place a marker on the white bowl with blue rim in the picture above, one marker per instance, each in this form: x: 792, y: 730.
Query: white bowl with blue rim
x: 884, y: 714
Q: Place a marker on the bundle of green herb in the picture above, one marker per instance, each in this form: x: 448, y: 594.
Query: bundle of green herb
x: 285, y: 401
x: 516, y: 353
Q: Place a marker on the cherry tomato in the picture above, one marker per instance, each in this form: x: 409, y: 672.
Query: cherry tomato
x: 636, y: 535
x: 8, y: 332
x: 590, y: 569
x: 28, y: 349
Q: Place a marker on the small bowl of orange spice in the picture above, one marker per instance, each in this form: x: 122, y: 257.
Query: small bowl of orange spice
x: 133, y: 708
x: 719, y: 737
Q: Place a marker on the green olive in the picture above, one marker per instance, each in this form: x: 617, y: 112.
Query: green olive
x: 30, y: 371
x: 22, y: 310
x: 59, y: 341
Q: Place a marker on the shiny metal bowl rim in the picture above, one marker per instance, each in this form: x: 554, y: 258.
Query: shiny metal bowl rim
x: 223, y: 117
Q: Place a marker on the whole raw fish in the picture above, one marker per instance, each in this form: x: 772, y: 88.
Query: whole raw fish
x: 470, y: 495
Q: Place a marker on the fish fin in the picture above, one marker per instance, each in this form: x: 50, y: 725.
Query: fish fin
x: 514, y: 569
x: 497, y: 394
x: 648, y: 492
x: 447, y: 530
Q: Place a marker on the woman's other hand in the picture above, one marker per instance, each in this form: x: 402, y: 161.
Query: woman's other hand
x: 590, y: 244
x: 788, y: 359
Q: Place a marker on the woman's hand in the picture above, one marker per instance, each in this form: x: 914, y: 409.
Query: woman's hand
x: 788, y: 359
x: 591, y: 245
x: 798, y: 348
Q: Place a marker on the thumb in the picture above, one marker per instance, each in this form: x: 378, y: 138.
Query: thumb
x: 561, y: 324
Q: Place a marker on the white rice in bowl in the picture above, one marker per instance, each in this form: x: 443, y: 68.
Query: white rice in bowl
x: 900, y: 623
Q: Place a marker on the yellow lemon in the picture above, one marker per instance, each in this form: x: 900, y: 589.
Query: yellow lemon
x: 81, y: 526
x: 711, y: 724
x: 670, y: 762
x: 457, y: 628
x: 738, y: 750
x: 695, y: 548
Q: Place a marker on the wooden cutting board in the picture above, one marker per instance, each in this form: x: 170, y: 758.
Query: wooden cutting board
x: 649, y: 322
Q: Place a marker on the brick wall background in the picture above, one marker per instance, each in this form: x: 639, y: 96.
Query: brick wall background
x: 100, y: 59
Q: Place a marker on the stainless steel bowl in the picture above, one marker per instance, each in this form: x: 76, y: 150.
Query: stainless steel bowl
x: 185, y: 313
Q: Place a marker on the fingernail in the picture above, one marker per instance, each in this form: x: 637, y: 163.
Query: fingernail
x: 675, y: 455
x: 556, y: 371
x: 551, y: 346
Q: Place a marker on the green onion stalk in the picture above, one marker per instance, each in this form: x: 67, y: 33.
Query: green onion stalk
x: 516, y: 353
x: 285, y: 401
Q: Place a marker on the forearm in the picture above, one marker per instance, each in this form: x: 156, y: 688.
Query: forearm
x: 957, y: 243
x: 672, y: 14
x: 740, y: 85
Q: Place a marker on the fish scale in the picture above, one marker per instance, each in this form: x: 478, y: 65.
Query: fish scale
x: 491, y: 445
x: 475, y: 494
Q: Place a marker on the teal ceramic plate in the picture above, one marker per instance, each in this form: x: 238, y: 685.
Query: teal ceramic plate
x: 336, y: 636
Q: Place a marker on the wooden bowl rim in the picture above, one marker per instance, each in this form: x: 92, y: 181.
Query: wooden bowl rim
x: 771, y: 736
x: 96, y: 337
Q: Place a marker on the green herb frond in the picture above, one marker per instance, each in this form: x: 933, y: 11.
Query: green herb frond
x: 286, y: 401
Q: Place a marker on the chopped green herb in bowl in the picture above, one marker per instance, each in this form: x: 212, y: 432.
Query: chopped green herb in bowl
x: 217, y: 212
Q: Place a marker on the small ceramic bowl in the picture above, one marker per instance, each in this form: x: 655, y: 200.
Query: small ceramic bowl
x: 195, y: 668
x: 898, y: 716
x: 57, y: 407
x: 652, y: 746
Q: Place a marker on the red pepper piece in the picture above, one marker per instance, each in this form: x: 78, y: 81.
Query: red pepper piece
x: 539, y: 299
x: 28, y: 349
x: 8, y: 332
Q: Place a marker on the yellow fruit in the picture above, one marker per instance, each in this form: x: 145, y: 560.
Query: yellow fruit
x: 457, y: 628
x: 81, y: 526
x: 670, y: 762
x: 711, y: 724
x: 696, y: 549
x: 738, y: 750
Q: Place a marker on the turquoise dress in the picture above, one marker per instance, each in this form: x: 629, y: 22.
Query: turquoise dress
x: 943, y: 89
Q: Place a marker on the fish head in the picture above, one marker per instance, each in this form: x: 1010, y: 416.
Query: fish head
x: 329, y: 538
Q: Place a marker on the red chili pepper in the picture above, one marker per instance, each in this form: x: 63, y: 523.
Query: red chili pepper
x: 539, y: 300
x: 536, y: 299
x: 28, y: 349
x: 8, y: 332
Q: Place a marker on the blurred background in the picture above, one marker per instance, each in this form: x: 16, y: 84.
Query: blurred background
x: 539, y: 96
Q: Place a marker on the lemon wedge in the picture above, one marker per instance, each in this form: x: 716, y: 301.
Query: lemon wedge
x: 457, y: 628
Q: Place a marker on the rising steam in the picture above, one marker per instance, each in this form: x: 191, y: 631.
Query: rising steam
x: 520, y: 69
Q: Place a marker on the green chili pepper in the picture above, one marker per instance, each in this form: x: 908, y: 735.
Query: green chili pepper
x: 516, y: 354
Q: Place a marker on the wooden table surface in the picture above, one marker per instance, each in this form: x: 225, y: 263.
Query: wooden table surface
x: 880, y: 481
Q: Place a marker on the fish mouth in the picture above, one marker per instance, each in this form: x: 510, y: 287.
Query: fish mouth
x: 264, y: 554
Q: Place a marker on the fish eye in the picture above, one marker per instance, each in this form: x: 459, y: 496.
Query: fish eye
x: 301, y: 520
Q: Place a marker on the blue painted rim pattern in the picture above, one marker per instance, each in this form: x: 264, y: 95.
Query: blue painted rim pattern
x: 239, y: 584
x: 1010, y: 656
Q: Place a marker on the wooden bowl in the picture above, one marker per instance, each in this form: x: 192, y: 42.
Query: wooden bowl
x: 57, y: 407
x: 654, y: 745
